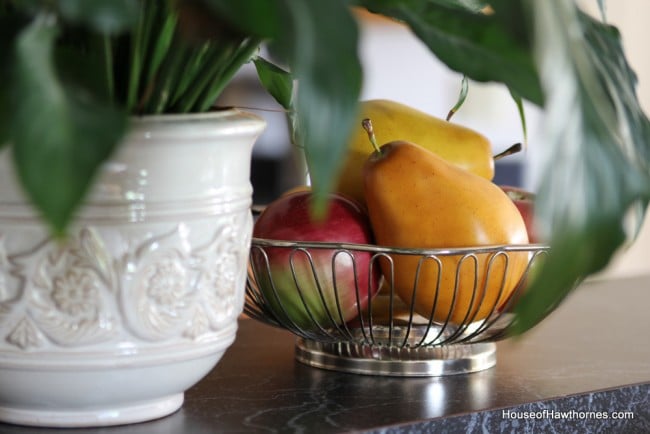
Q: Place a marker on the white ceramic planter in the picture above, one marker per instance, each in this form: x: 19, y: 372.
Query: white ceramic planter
x: 142, y: 300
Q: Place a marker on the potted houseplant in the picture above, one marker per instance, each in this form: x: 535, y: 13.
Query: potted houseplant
x: 81, y: 80
x: 138, y: 298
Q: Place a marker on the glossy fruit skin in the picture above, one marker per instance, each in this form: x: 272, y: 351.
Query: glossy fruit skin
x: 416, y: 199
x: 311, y: 304
x: 525, y: 202
x: 391, y: 120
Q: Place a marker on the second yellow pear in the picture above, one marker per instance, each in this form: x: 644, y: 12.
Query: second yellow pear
x: 417, y: 200
x: 455, y: 143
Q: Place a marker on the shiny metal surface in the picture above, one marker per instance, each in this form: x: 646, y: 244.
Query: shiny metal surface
x: 387, y: 336
x: 391, y: 361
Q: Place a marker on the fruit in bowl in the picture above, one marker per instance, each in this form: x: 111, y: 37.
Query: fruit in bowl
x: 317, y: 287
x: 418, y: 200
x: 455, y: 143
x: 525, y: 202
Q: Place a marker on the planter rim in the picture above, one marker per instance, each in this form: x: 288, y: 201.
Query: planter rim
x: 216, y: 123
x: 221, y: 113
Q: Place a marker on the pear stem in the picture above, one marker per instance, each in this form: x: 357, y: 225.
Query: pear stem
x: 367, y: 125
x: 511, y: 150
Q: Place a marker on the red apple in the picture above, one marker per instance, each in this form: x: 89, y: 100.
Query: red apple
x: 338, y: 285
x: 525, y: 202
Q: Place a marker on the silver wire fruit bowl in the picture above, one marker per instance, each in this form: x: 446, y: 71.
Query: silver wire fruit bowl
x: 354, y: 308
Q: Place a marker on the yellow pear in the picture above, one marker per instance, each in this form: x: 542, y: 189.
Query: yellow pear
x: 418, y: 200
x: 458, y: 145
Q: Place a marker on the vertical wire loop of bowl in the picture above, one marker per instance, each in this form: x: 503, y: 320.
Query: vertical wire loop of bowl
x: 485, y: 317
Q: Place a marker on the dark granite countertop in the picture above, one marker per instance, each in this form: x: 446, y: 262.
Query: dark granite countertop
x: 586, y: 364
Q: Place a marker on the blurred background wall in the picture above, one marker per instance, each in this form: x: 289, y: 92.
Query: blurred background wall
x: 398, y: 66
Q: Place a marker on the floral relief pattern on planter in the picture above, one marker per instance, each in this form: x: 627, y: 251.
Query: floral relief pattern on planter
x: 9, y: 283
x: 4, y: 269
x: 223, y: 265
x: 67, y: 289
x: 83, y: 292
x: 158, y: 291
x: 25, y: 335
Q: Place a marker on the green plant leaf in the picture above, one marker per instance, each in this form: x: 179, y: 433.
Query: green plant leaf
x: 277, y: 81
x: 161, y: 44
x: 519, y: 102
x: 386, y: 5
x: 192, y: 69
x: 243, y: 53
x: 60, y: 135
x: 474, y: 5
x: 139, y: 42
x: 84, y: 66
x: 319, y: 42
x: 484, y: 47
x: 324, y: 59
x: 602, y: 9
x: 251, y: 17
x: 105, y: 16
x: 596, y: 159
x: 5, y: 105
x: 9, y: 29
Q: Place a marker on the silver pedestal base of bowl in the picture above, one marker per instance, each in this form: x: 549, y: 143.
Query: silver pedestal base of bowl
x: 394, y: 361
